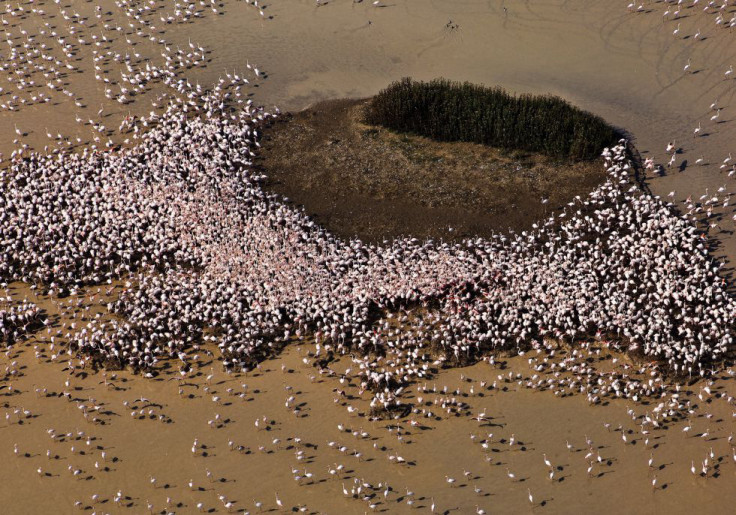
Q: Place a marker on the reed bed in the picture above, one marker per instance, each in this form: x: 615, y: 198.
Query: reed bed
x: 453, y: 111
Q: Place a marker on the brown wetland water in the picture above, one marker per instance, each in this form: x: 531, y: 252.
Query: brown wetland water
x: 84, y: 441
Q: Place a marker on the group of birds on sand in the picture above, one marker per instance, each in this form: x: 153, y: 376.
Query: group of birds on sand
x: 18, y: 319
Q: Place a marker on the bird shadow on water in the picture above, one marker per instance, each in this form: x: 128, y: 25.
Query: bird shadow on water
x: 543, y: 503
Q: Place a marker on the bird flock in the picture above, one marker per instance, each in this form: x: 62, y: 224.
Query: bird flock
x: 721, y: 17
x: 207, y: 256
x: 18, y: 319
x: 46, y: 45
x: 193, y: 254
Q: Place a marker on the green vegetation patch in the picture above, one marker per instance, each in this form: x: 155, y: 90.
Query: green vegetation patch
x: 452, y: 111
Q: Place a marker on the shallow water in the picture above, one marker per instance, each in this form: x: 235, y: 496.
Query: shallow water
x: 624, y: 67
x: 140, y: 447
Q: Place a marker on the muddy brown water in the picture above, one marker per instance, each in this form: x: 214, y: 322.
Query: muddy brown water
x: 625, y: 67
x: 158, y: 443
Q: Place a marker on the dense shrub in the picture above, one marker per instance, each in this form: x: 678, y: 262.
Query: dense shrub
x: 453, y: 111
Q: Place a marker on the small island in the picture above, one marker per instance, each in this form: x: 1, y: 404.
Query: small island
x: 435, y: 159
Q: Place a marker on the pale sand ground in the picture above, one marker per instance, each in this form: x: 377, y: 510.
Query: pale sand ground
x: 625, y: 67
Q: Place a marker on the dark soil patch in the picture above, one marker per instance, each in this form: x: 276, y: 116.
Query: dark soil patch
x: 367, y: 181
